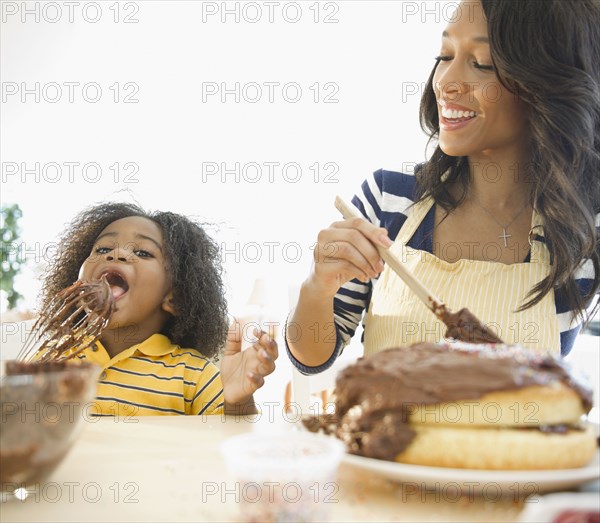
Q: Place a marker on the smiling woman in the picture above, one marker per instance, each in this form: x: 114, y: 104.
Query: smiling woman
x: 487, y: 113
x: 502, y: 219
x: 537, y: 127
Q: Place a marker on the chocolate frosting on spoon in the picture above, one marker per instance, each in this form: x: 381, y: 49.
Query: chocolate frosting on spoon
x: 465, y: 326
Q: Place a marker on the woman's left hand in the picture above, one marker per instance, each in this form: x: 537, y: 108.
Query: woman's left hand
x: 243, y: 371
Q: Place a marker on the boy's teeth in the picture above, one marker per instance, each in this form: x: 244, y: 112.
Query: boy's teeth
x: 117, y: 291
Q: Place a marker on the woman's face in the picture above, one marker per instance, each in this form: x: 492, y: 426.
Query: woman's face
x: 476, y: 113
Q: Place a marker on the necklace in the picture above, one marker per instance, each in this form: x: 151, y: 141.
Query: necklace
x: 504, y: 236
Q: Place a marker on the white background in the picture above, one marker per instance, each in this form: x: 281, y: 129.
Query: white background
x: 371, y: 57
x: 372, y: 62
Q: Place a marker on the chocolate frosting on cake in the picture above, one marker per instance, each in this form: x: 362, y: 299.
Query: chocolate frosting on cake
x: 374, y: 396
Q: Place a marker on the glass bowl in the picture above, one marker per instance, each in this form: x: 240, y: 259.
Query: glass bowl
x: 42, y: 409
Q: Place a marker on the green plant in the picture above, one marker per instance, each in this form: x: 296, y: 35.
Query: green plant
x: 11, y: 262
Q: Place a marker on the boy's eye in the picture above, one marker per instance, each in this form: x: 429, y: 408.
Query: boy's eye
x: 142, y: 254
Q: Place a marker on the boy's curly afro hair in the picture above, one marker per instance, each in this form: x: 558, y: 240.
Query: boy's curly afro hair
x: 193, y: 262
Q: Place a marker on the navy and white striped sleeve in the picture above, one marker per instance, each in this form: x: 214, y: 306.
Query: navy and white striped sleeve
x: 353, y: 297
x: 383, y: 200
x: 570, y: 323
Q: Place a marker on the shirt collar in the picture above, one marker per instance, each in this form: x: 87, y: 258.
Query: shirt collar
x: 155, y: 345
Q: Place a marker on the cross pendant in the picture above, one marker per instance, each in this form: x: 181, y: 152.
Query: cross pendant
x: 504, y: 236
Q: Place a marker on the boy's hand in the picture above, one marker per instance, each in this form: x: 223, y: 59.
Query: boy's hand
x: 243, y: 372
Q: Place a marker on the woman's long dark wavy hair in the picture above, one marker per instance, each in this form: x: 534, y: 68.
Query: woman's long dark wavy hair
x: 548, y: 53
x: 193, y: 261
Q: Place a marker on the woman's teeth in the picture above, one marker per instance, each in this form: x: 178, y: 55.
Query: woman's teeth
x: 451, y: 114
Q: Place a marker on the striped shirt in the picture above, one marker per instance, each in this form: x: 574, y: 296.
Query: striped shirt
x: 155, y: 377
x: 384, y: 201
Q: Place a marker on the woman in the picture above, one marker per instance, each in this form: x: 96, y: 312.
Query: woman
x: 502, y: 218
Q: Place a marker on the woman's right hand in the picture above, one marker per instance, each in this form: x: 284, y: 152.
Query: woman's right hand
x: 344, y: 251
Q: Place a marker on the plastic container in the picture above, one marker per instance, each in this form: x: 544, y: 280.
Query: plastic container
x: 284, y: 477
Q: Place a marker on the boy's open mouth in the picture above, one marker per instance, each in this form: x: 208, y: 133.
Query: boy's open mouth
x: 117, y: 283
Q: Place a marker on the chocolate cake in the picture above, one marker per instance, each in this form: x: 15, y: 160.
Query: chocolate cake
x: 489, y: 407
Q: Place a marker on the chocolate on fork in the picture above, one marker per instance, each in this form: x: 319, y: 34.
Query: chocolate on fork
x: 71, y: 323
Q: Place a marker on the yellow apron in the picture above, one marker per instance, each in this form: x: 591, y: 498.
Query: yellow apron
x: 492, y: 291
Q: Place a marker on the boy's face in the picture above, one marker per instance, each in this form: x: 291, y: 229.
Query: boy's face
x: 130, y: 253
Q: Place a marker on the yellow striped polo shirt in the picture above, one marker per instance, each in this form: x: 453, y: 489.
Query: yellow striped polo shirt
x: 155, y: 377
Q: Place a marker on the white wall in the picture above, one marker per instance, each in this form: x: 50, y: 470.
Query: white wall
x: 371, y: 62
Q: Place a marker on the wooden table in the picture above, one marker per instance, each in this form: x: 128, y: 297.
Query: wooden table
x: 167, y: 469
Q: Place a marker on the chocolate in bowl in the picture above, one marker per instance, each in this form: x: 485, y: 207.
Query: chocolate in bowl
x: 42, y: 406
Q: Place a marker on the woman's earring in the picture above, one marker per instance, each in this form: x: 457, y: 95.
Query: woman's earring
x: 532, y: 236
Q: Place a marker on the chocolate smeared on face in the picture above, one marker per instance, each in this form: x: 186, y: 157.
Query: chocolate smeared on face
x: 74, y: 320
x: 376, y: 394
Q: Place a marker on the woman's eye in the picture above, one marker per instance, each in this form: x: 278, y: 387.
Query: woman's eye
x: 102, y: 250
x: 477, y: 65
x: 142, y: 254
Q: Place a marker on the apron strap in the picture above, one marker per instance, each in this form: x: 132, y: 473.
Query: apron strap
x: 417, y: 213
